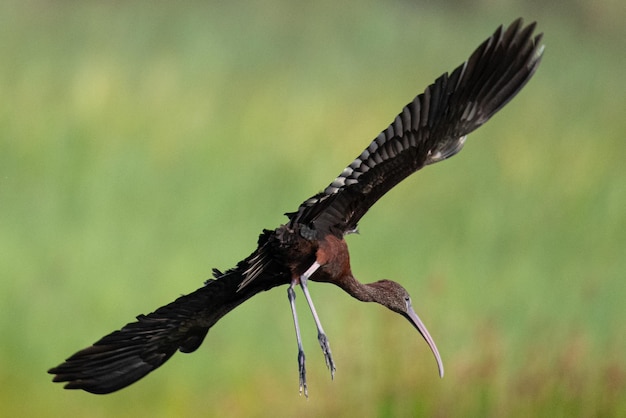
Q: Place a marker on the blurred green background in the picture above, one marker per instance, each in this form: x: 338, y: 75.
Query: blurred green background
x: 144, y: 143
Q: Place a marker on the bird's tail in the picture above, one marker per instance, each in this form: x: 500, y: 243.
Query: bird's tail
x: 127, y: 355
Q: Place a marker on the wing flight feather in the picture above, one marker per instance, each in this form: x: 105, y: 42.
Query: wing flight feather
x: 430, y: 129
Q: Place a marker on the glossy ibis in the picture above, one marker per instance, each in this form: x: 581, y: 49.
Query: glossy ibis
x: 311, y: 246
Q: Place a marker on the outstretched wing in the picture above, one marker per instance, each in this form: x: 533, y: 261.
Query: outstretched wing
x: 125, y: 356
x: 429, y: 129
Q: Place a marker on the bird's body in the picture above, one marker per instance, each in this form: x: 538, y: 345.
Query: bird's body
x: 311, y: 245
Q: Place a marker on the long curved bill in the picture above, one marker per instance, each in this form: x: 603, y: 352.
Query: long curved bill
x: 417, y: 323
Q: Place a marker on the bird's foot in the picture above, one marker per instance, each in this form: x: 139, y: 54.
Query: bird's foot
x: 328, y: 356
x: 302, y: 373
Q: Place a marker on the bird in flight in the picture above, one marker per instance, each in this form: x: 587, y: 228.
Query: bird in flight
x: 310, y: 246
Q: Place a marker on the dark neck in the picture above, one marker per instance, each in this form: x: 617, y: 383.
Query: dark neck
x: 358, y: 290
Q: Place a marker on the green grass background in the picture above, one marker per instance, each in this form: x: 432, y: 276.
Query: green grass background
x: 144, y: 143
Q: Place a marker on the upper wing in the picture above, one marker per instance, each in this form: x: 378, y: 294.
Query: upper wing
x: 429, y: 129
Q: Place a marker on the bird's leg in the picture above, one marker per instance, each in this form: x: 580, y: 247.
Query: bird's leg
x: 321, y: 335
x: 291, y: 294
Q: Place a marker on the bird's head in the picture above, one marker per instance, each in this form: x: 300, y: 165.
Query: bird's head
x: 395, y: 297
